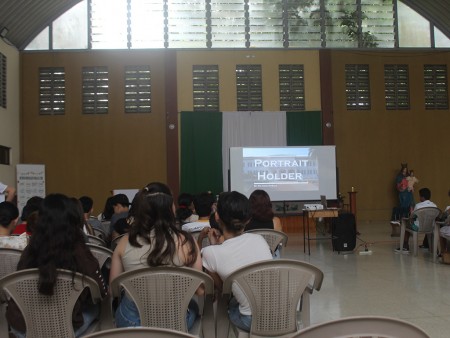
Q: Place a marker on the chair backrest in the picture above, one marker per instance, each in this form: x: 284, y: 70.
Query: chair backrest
x: 48, y: 316
x: 273, y: 237
x: 162, y: 294
x: 273, y: 289
x: 139, y: 332
x: 427, y: 218
x: 96, y: 240
x: 102, y: 254
x: 369, y: 326
x: 99, y: 233
x: 9, y: 258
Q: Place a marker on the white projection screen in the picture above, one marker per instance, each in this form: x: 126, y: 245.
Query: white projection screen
x: 285, y: 173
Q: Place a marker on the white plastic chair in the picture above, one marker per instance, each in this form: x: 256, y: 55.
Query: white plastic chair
x: 364, y: 327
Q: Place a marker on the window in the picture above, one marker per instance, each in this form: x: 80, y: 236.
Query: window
x: 436, y: 86
x: 95, y: 90
x: 396, y: 86
x: 206, y: 87
x: 2, y: 81
x: 357, y: 87
x: 52, y: 91
x: 292, y: 87
x: 5, y: 157
x: 249, y: 87
x: 137, y: 89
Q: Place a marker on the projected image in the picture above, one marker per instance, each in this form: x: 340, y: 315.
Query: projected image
x: 283, y: 169
x: 286, y: 173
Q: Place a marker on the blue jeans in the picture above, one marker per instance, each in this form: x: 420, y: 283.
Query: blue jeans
x: 244, y: 322
x: 90, y: 313
x: 127, y: 314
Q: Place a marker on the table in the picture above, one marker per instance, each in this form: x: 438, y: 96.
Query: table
x: 319, y: 213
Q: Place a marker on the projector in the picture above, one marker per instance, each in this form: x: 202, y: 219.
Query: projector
x: 313, y: 206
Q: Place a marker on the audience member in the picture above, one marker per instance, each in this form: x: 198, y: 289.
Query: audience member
x: 262, y: 215
x: 108, y: 210
x: 445, y: 230
x: 87, y: 203
x: 221, y: 259
x: 9, y: 214
x: 121, y: 206
x: 9, y: 191
x: 153, y: 240
x: 186, y: 210
x: 58, y: 243
x: 31, y: 208
x: 413, y: 223
x: 203, y: 206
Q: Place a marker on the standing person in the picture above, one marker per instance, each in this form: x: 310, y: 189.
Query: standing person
x: 9, y: 191
x: 262, y: 215
x: 9, y: 215
x: 58, y: 243
x: 424, y: 196
x: 405, y: 197
x: 154, y: 240
x: 237, y: 249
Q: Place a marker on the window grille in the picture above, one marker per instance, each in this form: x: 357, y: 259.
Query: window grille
x: 229, y: 19
x: 377, y: 21
x: 396, y: 87
x: 266, y: 19
x: 292, y: 87
x: 357, y: 85
x: 5, y: 155
x: 436, y: 86
x: 206, y: 87
x: 137, y: 89
x: 52, y: 91
x: 249, y: 87
x: 2, y: 80
x: 95, y: 90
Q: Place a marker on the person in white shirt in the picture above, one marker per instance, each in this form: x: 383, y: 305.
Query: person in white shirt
x: 445, y: 230
x: 9, y: 191
x: 232, y: 251
x: 424, y: 196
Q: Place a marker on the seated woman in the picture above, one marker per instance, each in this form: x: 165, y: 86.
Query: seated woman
x: 9, y: 215
x: 58, y: 243
x: 186, y: 210
x: 153, y: 240
x: 221, y: 259
x: 262, y: 216
x: 30, y: 207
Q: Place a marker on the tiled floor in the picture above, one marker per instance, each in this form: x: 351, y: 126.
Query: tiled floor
x: 385, y: 283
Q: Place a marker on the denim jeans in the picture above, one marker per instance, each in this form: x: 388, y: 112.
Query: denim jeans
x: 90, y: 313
x: 127, y: 314
x: 244, y: 322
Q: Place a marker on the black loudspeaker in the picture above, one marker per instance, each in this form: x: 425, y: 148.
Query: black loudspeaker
x: 344, y: 232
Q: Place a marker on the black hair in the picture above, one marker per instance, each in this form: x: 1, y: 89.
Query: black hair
x: 425, y: 193
x: 8, y: 213
x: 32, y: 205
x: 86, y: 203
x: 234, y: 211
x: 108, y: 210
x: 184, y: 211
x: 203, y: 203
x: 56, y: 234
x: 154, y: 221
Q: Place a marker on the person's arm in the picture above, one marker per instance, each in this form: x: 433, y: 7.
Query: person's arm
x: 218, y: 283
x: 10, y: 193
x: 277, y: 224
x: 116, y: 261
x: 185, y: 249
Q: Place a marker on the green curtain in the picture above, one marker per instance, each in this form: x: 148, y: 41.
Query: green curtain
x: 201, y: 152
x: 304, y: 128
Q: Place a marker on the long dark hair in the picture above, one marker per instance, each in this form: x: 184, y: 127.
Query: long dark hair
x: 261, y: 206
x: 153, y: 211
x: 56, y: 235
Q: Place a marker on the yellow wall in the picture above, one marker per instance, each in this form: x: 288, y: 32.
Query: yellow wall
x: 372, y: 144
x: 227, y: 61
x: 9, y: 117
x: 93, y: 154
